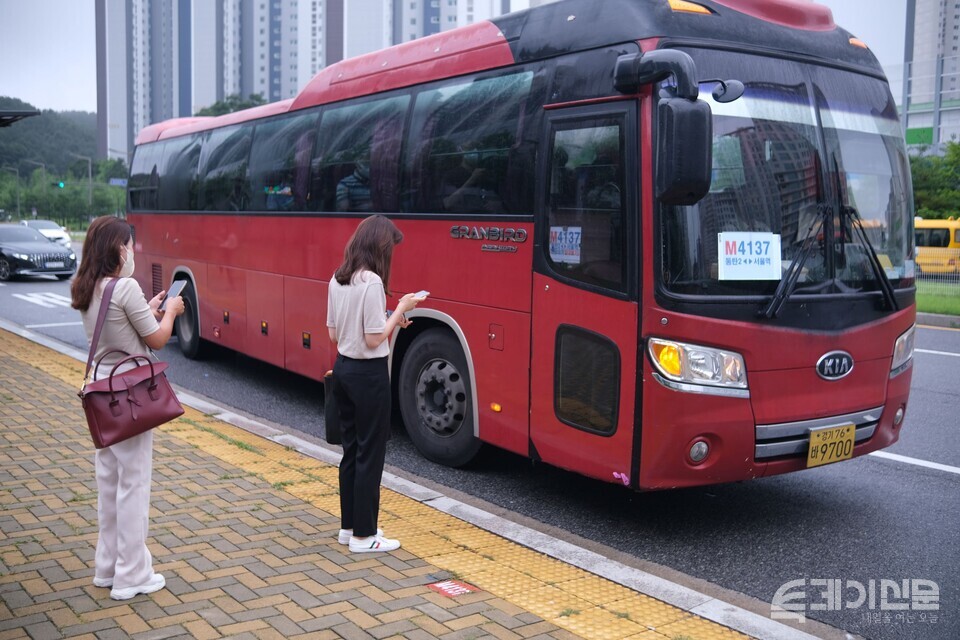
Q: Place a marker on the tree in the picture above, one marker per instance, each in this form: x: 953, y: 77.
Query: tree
x: 936, y: 183
x: 232, y: 103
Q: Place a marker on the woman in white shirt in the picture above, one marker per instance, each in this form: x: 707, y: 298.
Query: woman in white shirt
x: 358, y: 325
x: 124, y: 470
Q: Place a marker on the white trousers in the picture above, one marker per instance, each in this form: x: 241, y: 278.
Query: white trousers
x: 124, y: 475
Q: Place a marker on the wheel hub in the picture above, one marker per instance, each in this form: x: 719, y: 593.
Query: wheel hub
x: 441, y: 397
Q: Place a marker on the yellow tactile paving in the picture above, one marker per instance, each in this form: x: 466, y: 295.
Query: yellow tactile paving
x: 599, y: 592
x: 693, y: 627
x: 505, y: 581
x: 647, y: 609
x: 600, y: 624
x: 571, y: 598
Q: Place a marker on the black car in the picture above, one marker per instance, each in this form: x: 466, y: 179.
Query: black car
x: 27, y: 252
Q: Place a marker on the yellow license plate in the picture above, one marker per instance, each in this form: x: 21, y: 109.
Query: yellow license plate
x: 830, y: 444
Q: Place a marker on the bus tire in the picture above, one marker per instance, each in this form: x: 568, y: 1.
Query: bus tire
x: 435, y: 399
x: 187, y: 325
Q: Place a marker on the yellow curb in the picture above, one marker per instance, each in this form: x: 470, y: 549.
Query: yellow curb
x: 566, y: 596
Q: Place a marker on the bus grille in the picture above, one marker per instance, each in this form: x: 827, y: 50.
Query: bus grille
x: 793, y: 438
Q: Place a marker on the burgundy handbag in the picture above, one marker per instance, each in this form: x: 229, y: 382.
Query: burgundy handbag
x: 126, y: 404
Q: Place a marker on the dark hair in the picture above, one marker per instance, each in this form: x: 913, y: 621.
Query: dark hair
x: 370, y: 247
x: 101, y: 257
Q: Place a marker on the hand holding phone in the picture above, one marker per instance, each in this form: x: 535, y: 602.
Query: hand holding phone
x: 421, y: 294
x: 175, y: 290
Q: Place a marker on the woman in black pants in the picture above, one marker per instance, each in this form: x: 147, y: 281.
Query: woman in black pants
x: 358, y: 325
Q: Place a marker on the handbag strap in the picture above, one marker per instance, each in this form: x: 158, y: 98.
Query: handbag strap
x: 104, y: 305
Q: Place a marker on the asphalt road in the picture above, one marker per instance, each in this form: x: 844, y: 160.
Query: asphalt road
x: 864, y: 520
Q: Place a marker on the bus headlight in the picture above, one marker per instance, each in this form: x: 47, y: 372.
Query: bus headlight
x: 902, y: 352
x: 694, y: 364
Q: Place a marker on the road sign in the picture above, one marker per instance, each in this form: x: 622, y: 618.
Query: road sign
x: 118, y: 182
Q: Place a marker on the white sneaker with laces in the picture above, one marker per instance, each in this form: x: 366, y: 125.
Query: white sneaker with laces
x: 155, y: 583
x: 372, y: 544
x: 344, y: 536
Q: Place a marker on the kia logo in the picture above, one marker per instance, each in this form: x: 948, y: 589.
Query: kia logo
x: 834, y: 365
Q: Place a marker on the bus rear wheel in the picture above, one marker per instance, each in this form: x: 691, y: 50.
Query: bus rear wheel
x: 436, y: 401
x: 187, y: 325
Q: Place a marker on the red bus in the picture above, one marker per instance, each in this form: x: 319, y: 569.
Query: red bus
x: 641, y: 223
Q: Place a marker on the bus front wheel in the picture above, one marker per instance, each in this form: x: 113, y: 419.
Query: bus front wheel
x: 436, y: 400
x: 188, y: 324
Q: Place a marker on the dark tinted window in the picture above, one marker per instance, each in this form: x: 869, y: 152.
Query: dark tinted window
x: 224, y: 185
x: 280, y: 163
x: 357, y: 161
x: 145, y: 176
x: 586, y: 203
x: 11, y: 233
x: 932, y: 237
x: 178, y: 174
x: 464, y: 138
x: 586, y: 380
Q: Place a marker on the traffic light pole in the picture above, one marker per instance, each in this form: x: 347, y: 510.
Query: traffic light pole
x: 89, y: 176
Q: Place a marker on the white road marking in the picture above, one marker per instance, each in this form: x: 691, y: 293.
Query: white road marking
x: 917, y: 462
x: 47, y: 300
x: 52, y: 324
x: 937, y: 353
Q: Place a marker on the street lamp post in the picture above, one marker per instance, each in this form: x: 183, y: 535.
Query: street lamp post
x: 16, y: 170
x: 43, y: 167
x: 89, y: 176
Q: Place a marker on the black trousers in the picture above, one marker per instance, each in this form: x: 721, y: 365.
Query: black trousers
x: 363, y: 400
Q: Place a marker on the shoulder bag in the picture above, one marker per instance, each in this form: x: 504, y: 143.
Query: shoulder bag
x: 126, y: 404
x: 331, y: 415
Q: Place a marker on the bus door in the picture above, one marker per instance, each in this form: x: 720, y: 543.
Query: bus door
x: 585, y: 312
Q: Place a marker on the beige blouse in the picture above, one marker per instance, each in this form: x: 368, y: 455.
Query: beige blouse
x: 129, y: 320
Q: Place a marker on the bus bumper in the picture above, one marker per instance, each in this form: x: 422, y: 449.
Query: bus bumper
x: 673, y: 422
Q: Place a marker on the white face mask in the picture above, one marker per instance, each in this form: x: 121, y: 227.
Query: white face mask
x: 126, y: 270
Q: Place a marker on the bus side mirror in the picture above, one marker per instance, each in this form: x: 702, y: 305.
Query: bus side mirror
x: 684, y: 151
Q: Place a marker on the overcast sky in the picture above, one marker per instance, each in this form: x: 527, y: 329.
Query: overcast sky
x: 48, y: 55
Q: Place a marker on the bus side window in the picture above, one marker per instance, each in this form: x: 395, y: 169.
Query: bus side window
x: 178, y: 175
x: 586, y: 203
x: 356, y: 165
x: 224, y: 184
x: 280, y: 163
x: 145, y: 177
x: 463, y: 140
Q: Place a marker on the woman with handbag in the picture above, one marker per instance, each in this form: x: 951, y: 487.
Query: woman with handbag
x: 359, y: 326
x: 133, y: 326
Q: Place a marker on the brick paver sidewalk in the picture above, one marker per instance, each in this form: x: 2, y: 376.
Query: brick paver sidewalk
x: 244, y: 531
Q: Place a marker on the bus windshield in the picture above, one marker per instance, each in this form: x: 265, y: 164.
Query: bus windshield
x: 802, y: 143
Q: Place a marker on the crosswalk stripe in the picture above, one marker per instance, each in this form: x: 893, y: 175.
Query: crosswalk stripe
x: 46, y: 300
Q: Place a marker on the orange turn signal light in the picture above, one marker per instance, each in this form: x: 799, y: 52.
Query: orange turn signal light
x: 688, y: 7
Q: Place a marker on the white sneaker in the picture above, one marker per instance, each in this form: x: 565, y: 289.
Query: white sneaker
x: 155, y: 583
x: 372, y: 544
x: 102, y: 582
x: 344, y: 536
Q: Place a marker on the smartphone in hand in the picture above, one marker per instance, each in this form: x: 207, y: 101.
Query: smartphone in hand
x: 421, y: 294
x: 175, y: 289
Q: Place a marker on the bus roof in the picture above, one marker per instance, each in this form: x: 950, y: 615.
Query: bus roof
x: 936, y: 223
x: 799, y: 27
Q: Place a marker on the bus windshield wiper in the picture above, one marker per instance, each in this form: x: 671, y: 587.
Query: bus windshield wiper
x: 856, y: 222
x: 789, y: 282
